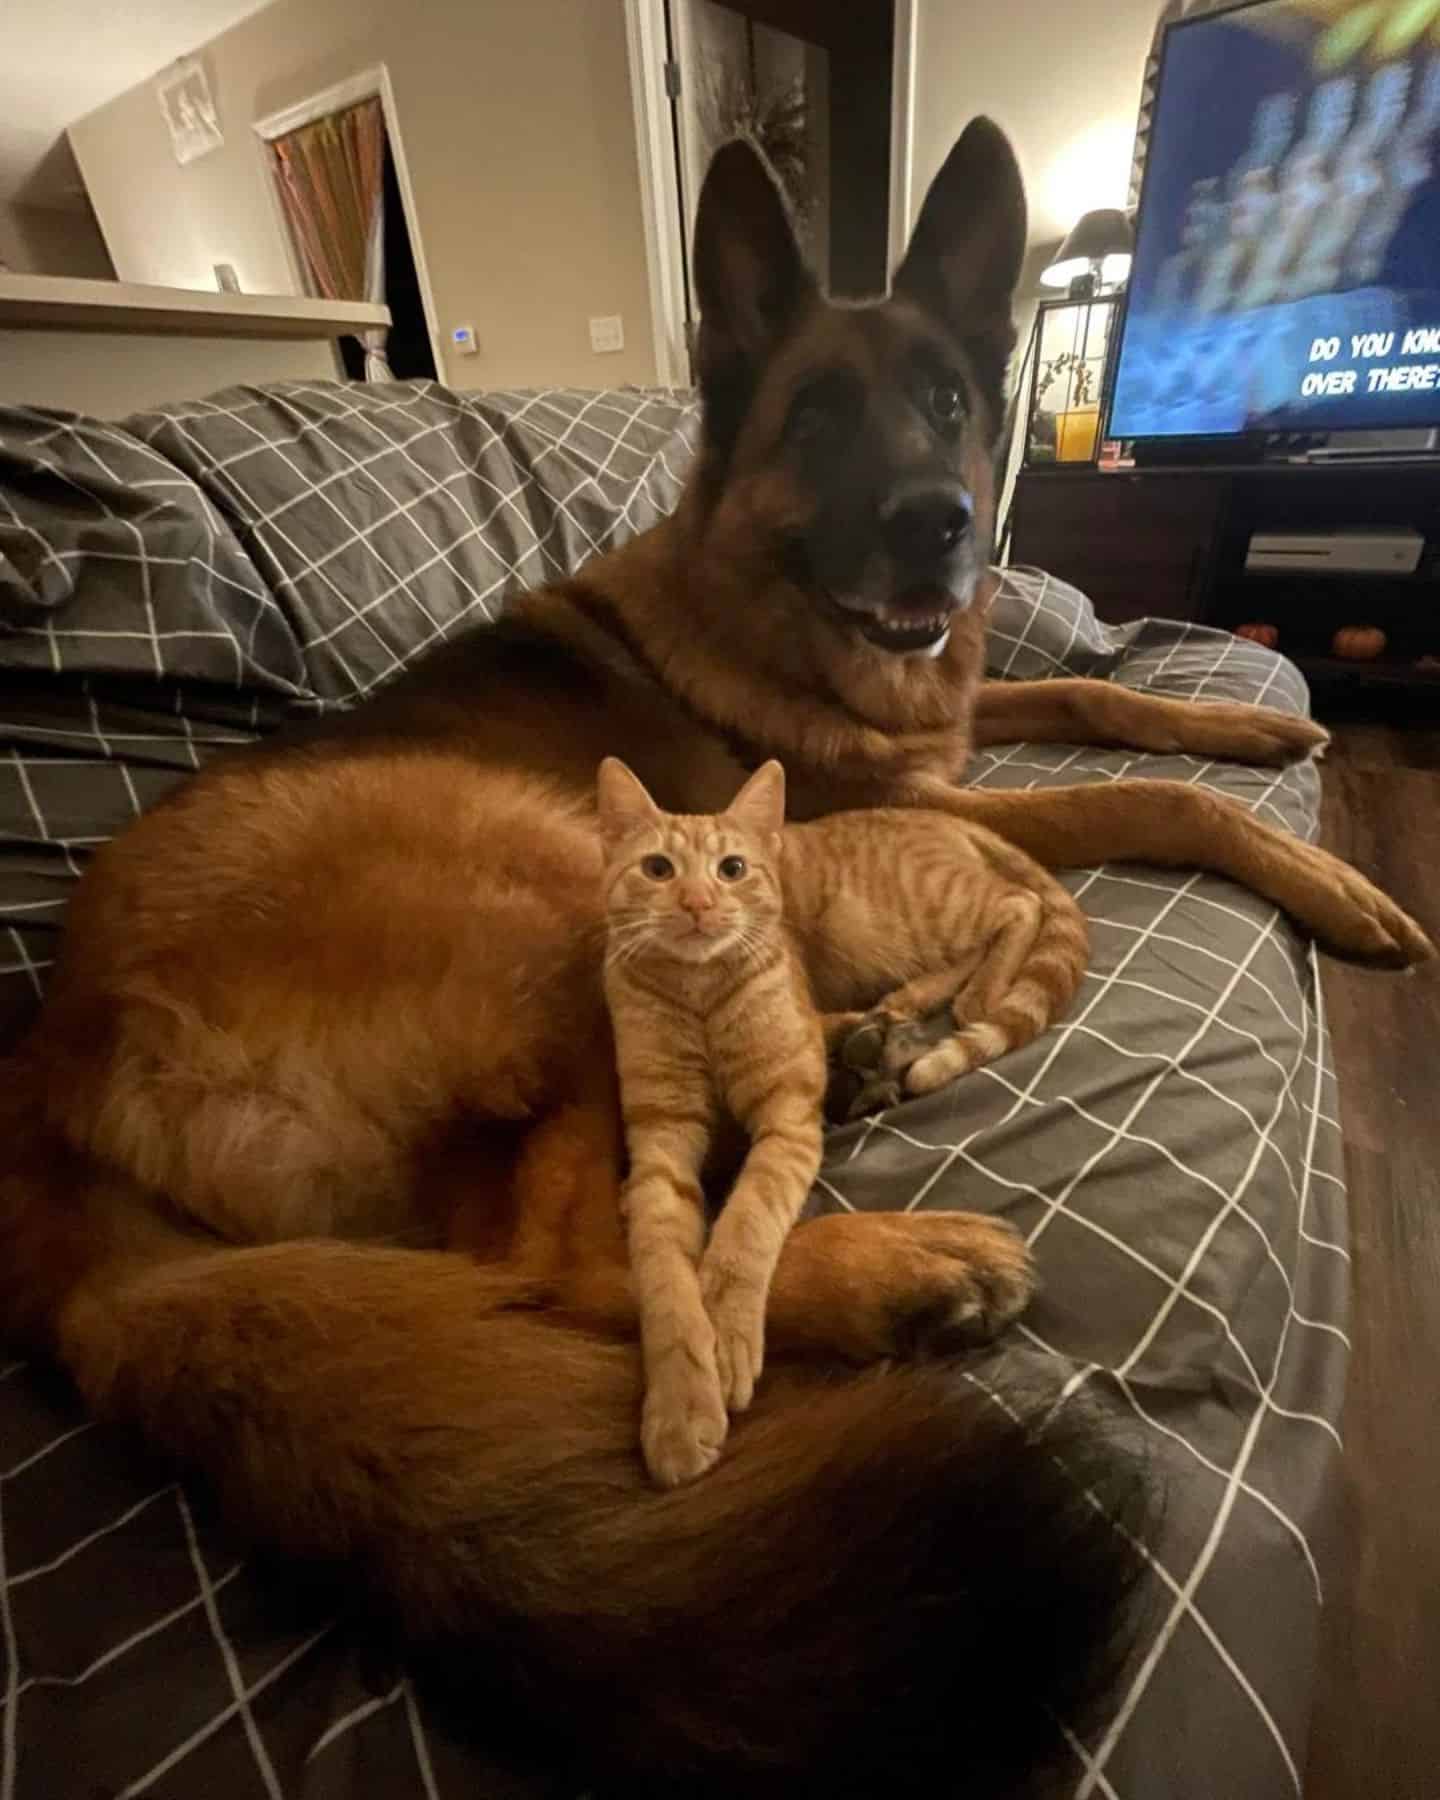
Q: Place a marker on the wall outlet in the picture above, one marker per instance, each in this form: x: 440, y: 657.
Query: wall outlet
x: 463, y: 340
x: 607, y: 335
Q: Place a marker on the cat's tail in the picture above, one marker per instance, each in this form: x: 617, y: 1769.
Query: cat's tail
x: 893, y: 1584
x: 1028, y: 979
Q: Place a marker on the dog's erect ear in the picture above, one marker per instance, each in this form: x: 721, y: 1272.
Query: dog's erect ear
x: 750, y: 278
x: 624, y: 806
x: 759, y: 807
x: 968, y: 247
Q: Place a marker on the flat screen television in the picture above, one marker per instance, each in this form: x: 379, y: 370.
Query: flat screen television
x: 1287, y: 257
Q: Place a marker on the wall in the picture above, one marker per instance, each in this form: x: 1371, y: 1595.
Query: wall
x: 517, y: 127
x: 110, y: 374
x: 44, y: 240
x: 1061, y: 76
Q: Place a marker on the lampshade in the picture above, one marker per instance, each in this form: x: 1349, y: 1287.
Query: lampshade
x: 1103, y: 240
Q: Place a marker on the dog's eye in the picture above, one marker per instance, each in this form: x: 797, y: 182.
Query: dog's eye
x: 946, y: 402
x: 825, y: 409
x: 810, y: 422
x: 658, y: 868
x: 731, y: 868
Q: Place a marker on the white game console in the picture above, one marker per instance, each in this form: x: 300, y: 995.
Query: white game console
x: 1390, y: 552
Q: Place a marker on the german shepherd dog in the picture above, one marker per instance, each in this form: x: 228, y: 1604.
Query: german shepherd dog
x: 311, y: 1161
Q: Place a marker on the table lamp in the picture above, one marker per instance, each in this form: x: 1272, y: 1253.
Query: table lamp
x: 1095, y: 255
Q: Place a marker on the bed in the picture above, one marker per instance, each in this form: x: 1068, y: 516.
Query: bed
x: 193, y: 577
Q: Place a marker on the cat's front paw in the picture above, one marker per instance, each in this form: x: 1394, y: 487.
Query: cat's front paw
x: 685, y: 1421
x: 737, y: 1311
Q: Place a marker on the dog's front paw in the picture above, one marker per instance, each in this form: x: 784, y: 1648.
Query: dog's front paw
x: 1241, y: 733
x: 878, y: 1054
x: 1348, y: 914
x: 905, y: 1284
x: 877, y: 1095
x: 979, y: 1276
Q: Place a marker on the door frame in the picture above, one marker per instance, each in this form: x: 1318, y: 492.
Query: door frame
x: 350, y: 92
x: 647, y: 42
x: 902, y: 126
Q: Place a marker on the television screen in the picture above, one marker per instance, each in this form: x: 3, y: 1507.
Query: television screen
x: 1287, y: 256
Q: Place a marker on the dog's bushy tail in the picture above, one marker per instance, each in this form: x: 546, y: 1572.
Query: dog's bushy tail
x: 891, y: 1584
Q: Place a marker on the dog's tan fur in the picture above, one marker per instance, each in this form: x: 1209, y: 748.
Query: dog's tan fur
x: 349, y: 990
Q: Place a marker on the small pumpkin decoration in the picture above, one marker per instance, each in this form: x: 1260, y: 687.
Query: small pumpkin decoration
x: 1268, y: 635
x: 1359, y: 643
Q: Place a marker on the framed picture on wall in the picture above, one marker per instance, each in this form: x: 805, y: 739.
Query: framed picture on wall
x: 190, y: 113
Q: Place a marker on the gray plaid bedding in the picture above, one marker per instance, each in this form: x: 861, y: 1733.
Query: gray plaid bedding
x: 193, y: 577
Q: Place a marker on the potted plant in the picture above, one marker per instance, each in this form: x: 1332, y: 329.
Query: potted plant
x: 1077, y: 422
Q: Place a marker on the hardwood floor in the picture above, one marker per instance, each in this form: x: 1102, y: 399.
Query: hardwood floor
x: 1376, y: 1734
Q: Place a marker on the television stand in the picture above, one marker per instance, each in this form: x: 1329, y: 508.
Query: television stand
x: 1377, y: 446
x: 1171, y: 542
x: 1262, y: 449
x: 1244, y: 450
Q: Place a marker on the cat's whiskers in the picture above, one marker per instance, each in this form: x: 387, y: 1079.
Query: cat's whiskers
x: 631, y: 933
x: 623, y: 950
x: 755, y: 944
x: 749, y: 944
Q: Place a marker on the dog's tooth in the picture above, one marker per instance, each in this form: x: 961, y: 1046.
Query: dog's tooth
x: 934, y: 650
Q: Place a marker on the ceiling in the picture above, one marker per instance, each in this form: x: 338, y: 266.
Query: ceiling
x: 63, y: 58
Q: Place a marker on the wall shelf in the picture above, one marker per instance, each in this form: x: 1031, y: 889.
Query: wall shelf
x: 65, y: 303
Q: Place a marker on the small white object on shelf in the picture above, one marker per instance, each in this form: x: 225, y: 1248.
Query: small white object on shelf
x: 1392, y: 552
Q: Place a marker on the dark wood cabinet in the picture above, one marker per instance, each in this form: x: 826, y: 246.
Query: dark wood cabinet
x: 1136, y: 543
x: 1172, y: 543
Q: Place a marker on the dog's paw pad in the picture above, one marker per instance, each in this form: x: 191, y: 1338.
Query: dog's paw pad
x: 864, y: 1049
x: 877, y: 1095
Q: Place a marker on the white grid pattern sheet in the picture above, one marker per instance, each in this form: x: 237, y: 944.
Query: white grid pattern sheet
x: 1171, y: 1150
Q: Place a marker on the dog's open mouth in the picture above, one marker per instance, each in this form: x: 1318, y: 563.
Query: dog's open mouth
x: 907, y: 634
x: 914, y: 622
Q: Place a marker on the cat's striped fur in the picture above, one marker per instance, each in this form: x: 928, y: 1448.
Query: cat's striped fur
x: 900, y: 913
x: 736, y: 953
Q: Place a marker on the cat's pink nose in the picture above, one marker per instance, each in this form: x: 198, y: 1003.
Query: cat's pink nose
x: 696, y: 901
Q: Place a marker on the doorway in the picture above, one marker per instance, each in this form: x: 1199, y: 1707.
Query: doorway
x: 823, y: 90
x: 345, y: 207
x: 407, y: 348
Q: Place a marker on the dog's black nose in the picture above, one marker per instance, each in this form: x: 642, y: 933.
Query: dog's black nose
x: 922, y: 523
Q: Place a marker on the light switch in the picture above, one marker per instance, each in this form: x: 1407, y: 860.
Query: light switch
x: 607, y: 334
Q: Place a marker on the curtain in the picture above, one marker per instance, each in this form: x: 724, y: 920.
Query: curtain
x: 331, y: 180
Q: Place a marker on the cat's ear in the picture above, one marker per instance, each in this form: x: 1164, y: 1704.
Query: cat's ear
x: 759, y: 807
x: 624, y: 806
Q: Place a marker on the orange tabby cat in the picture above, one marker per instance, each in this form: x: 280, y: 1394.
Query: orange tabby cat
x: 736, y: 954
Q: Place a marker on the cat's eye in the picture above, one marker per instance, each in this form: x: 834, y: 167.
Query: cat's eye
x: 946, y: 402
x: 658, y: 868
x: 731, y: 868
